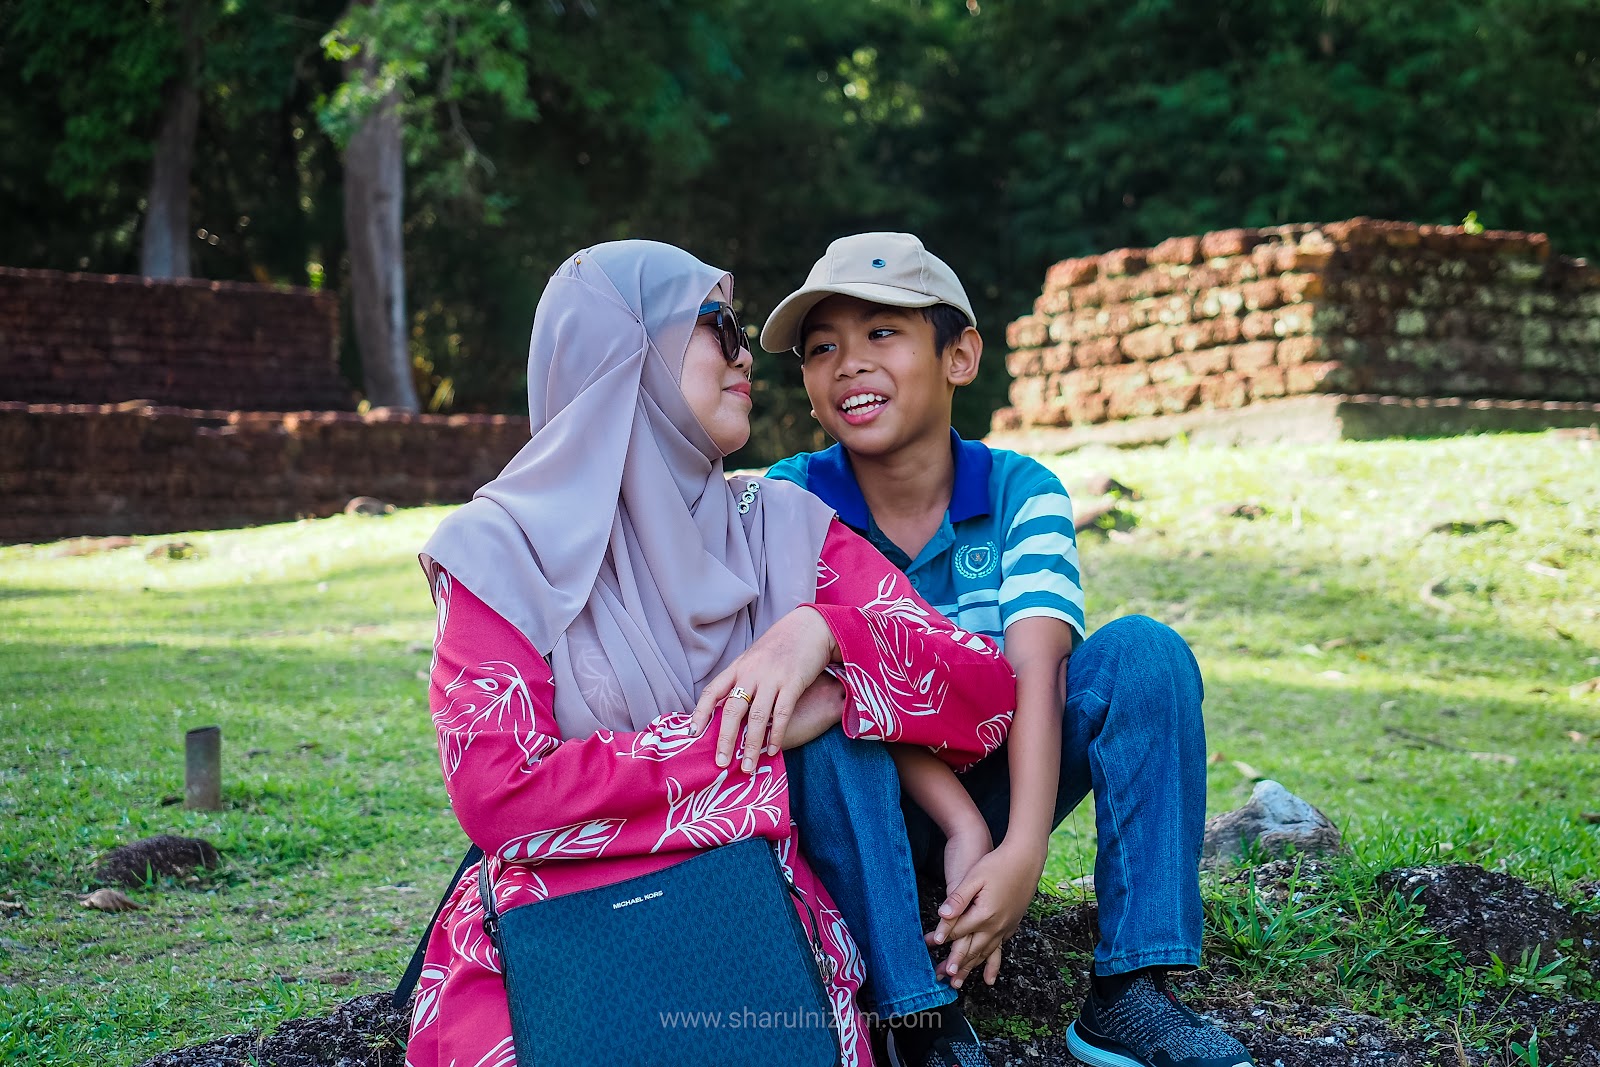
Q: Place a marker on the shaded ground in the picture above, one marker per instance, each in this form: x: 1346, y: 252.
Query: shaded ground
x: 1047, y: 974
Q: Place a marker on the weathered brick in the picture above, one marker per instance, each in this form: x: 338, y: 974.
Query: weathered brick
x: 1053, y: 302
x: 1225, y: 391
x: 1071, y: 272
x: 1031, y: 331
x: 220, y: 345
x: 1267, y: 382
x: 1324, y: 377
x: 1176, y: 250
x: 1295, y: 350
x: 1178, y: 397
x: 1251, y: 357
x: 1224, y: 243
x: 1168, y: 370
x: 1025, y: 362
x: 1261, y: 296
x: 1026, y: 392
x: 1208, y: 362
x: 1153, y: 342
x: 182, y: 469
x: 1298, y: 286
x: 1259, y: 324
x: 1056, y: 358
x: 1122, y: 261
x: 1123, y: 379
x: 1097, y: 352
x: 1074, y: 383
x: 1088, y: 408
x: 1134, y: 403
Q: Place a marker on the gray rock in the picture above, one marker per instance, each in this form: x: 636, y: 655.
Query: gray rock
x: 369, y: 506
x: 1274, y: 820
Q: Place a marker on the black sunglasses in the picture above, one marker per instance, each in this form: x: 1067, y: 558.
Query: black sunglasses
x: 729, y: 332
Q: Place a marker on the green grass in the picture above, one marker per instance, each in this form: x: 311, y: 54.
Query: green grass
x: 304, y: 642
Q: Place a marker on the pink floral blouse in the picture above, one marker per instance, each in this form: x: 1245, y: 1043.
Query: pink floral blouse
x: 556, y: 816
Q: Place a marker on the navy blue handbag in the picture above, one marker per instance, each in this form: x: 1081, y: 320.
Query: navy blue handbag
x: 705, y: 963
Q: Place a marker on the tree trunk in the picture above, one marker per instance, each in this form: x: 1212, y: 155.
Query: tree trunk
x: 164, y: 245
x: 374, y: 196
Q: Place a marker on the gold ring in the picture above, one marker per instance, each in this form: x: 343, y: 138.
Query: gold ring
x: 739, y: 693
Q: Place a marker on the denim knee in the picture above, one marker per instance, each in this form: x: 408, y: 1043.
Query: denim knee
x: 835, y: 767
x: 1136, y: 650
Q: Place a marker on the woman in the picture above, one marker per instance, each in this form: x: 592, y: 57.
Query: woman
x: 611, y: 581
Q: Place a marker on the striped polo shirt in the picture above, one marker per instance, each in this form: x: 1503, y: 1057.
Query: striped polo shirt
x: 1005, y: 551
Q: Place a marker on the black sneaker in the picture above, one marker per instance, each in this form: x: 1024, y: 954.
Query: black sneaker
x: 956, y: 1046
x: 1147, y: 1027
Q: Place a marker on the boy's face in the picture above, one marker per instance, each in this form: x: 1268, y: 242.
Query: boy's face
x: 874, y: 377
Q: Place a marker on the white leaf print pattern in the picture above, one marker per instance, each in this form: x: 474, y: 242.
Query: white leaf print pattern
x: 885, y: 696
x: 895, y: 604
x: 579, y: 840
x: 490, y: 697
x: 467, y: 936
x: 826, y: 575
x: 849, y: 973
x: 442, y: 588
x: 598, y: 683
x: 425, y: 1012
x: 992, y: 731
x: 714, y: 815
x: 665, y: 738
x: 502, y: 1055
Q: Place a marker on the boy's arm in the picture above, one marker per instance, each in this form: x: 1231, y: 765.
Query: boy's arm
x: 937, y: 790
x: 990, y: 902
x: 1038, y: 648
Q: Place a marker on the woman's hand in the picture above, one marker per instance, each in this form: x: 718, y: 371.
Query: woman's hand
x: 765, y: 683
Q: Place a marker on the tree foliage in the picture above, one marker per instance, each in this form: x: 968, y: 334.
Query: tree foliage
x: 753, y: 133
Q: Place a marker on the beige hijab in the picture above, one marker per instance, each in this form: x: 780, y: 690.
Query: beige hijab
x: 613, y: 540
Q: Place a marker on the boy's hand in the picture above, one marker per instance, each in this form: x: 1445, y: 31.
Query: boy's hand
x: 985, y: 908
x: 963, y: 850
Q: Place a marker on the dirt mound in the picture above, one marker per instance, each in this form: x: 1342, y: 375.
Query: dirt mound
x: 1024, y: 1017
x: 366, y: 1032
x: 159, y: 856
x: 1484, y: 912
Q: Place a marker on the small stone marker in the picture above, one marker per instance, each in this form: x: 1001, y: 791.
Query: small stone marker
x: 1274, y: 820
x: 202, y: 780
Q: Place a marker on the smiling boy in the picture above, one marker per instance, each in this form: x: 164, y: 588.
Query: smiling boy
x: 886, y: 335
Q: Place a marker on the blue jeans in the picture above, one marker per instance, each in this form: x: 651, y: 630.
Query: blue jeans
x: 1132, y: 733
x: 844, y: 796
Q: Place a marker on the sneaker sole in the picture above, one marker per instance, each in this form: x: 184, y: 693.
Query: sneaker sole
x: 1094, y: 1055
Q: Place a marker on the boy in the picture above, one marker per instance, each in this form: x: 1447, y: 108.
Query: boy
x: 886, y: 335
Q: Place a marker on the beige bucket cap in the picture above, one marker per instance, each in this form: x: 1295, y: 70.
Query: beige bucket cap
x: 884, y: 268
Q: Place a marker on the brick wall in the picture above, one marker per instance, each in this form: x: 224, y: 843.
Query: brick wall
x: 102, y: 339
x: 1239, y: 316
x: 69, y: 470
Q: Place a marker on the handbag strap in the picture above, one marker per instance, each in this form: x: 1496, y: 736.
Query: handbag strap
x: 408, y: 981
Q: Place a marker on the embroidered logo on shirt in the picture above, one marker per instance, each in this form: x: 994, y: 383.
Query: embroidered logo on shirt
x: 977, y: 561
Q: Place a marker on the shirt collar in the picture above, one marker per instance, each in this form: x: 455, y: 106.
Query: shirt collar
x: 831, y: 477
